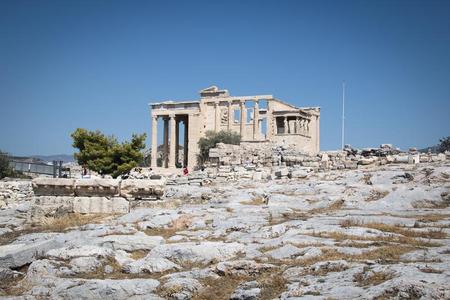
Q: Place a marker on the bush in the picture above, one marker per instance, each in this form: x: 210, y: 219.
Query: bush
x: 212, y: 138
x: 5, y: 168
x: 444, y: 144
x: 104, y: 154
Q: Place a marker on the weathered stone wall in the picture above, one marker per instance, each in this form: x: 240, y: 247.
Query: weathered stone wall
x: 57, y: 196
x: 99, y: 187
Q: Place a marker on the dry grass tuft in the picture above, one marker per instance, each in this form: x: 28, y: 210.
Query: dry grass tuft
x: 272, y: 285
x: 256, y: 200
x: 339, y: 236
x: 350, y: 223
x: 376, y: 195
x: 337, y: 205
x: 182, y: 223
x: 15, y: 286
x: 65, y: 222
x: 220, y: 288
x: 389, y: 253
x: 433, y: 218
x: 407, y: 232
x: 164, y: 232
x: 59, y: 224
x: 138, y: 254
x: 430, y: 270
x: 430, y: 234
x: 285, y: 217
x: 368, y: 278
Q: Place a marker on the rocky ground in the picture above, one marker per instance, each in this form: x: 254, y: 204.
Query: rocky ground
x: 373, y: 233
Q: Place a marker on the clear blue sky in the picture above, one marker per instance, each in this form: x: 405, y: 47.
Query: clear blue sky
x: 97, y: 65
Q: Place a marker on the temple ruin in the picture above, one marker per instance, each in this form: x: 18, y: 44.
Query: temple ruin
x: 258, y: 119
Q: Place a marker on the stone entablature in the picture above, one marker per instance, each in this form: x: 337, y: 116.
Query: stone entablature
x: 257, y: 118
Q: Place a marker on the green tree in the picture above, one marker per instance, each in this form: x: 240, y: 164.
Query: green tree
x: 211, y: 139
x: 5, y: 168
x: 444, y: 144
x: 104, y: 154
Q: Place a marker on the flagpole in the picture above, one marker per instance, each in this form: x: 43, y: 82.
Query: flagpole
x: 343, y: 114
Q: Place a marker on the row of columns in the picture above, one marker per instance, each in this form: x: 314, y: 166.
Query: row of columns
x: 243, y: 121
x: 301, y: 126
x: 170, y: 156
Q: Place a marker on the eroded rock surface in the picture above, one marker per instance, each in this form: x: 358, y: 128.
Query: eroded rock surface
x: 368, y: 233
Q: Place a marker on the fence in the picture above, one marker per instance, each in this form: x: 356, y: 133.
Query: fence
x: 55, y: 169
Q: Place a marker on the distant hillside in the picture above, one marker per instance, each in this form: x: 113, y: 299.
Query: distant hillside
x: 433, y: 149
x: 58, y: 157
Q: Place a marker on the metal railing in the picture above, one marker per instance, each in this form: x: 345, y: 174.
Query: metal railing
x: 55, y: 169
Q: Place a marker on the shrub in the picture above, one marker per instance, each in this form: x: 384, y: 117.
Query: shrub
x: 211, y: 139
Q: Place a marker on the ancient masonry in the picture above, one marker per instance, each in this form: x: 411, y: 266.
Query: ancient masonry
x: 258, y: 119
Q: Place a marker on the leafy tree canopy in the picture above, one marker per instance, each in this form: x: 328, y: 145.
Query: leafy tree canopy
x: 211, y: 139
x: 5, y: 169
x: 444, y: 144
x: 104, y: 154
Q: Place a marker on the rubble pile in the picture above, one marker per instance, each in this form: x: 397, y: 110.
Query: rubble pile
x: 195, y: 178
x: 267, y: 155
x: 243, y: 154
x: 11, y: 191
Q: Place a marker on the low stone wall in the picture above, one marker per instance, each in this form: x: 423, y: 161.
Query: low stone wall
x: 55, y: 206
x: 58, y: 196
x: 99, y: 187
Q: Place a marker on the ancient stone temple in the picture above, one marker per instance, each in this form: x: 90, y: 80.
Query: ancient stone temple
x: 258, y: 119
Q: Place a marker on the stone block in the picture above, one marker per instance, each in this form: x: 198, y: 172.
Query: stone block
x: 97, y: 187
x: 142, y: 188
x: 100, y: 205
x: 401, y: 159
x: 257, y: 176
x: 53, y: 186
x: 414, y: 159
x: 424, y: 158
x: 366, y: 161
x: 351, y: 165
x: 299, y: 173
x: 282, y: 172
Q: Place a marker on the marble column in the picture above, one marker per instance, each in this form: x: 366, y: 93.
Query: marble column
x: 217, y: 117
x: 166, y: 143
x: 286, y: 126
x: 172, y: 142
x: 230, y: 116
x: 275, y: 126
x: 154, y: 141
x: 177, y: 141
x: 243, y: 118
x: 271, y: 121
x: 186, y: 140
x: 256, y: 130
x: 297, y: 125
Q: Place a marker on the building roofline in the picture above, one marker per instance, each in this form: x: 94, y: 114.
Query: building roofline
x: 175, y: 102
